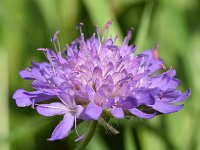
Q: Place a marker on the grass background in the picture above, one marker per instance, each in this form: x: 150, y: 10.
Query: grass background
x: 28, y: 24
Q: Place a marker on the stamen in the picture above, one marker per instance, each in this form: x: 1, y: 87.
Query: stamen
x: 33, y: 104
x: 115, y: 39
x: 43, y: 50
x: 163, y: 66
x: 98, y: 34
x: 54, y: 70
x: 55, y: 47
x: 79, y: 137
x: 99, y: 39
x: 28, y: 69
x: 106, y: 29
x: 54, y: 36
x: 79, y: 27
x: 63, y: 101
x: 156, y: 46
x: 128, y: 36
x: 155, y: 52
x: 142, y: 66
x: 58, y: 42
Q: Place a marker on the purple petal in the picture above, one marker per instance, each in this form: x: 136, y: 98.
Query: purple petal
x: 117, y: 112
x: 45, y: 88
x: 128, y: 103
x: 93, y: 111
x: 97, y: 83
x: 63, y: 128
x: 104, y: 91
x: 58, y: 81
x: 24, y: 98
x: 108, y: 80
x: 160, y: 81
x: 79, y: 110
x: 139, y: 97
x: 165, y: 80
x: 109, y: 103
x: 141, y: 114
x: 183, y: 96
x: 38, y: 74
x: 117, y: 76
x: 109, y: 68
x: 26, y: 74
x: 62, y: 60
x: 90, y: 92
x: 144, y: 96
x: 52, y: 109
x: 166, y: 108
x: 173, y: 83
x: 51, y: 56
x: 170, y: 95
x: 67, y: 99
x: 84, y: 116
x: 97, y: 73
x: 153, y: 61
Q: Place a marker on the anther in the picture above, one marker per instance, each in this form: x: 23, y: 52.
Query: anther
x: 163, y: 66
x: 54, y: 39
x: 79, y: 27
x: 55, y: 36
x: 129, y: 34
x: 106, y: 29
x: 42, y: 49
x: 108, y: 24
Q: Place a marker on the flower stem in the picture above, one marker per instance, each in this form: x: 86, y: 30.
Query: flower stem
x: 88, y: 137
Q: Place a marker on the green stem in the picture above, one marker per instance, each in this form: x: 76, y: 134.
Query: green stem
x: 88, y: 137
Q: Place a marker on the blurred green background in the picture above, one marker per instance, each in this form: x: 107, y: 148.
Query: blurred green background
x: 28, y: 24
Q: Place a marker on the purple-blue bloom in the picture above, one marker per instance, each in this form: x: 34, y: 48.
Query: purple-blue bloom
x: 94, y: 76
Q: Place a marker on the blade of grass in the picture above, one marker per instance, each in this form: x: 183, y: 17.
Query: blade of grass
x: 144, y: 25
x: 32, y: 126
x: 47, y: 8
x: 128, y: 138
x: 131, y: 2
x: 4, y: 115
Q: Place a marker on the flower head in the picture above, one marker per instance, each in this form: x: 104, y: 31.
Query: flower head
x: 94, y: 76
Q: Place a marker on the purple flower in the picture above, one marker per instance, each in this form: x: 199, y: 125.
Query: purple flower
x: 95, y: 76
